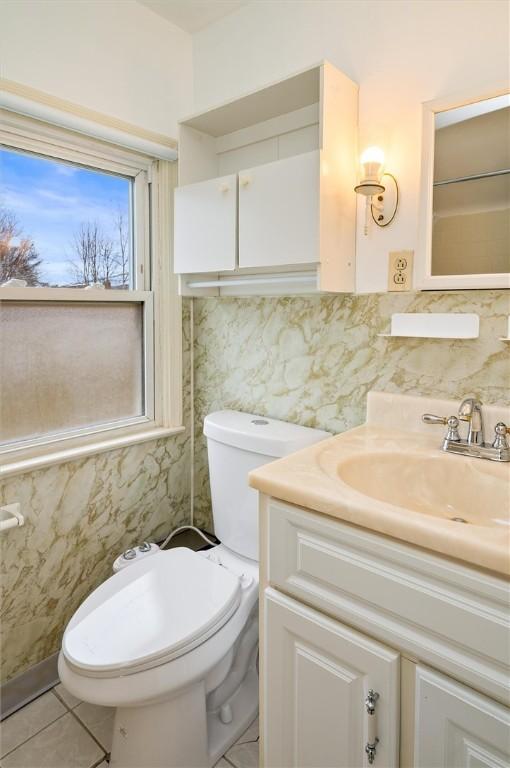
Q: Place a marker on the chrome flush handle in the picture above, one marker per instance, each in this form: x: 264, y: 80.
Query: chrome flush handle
x: 372, y: 740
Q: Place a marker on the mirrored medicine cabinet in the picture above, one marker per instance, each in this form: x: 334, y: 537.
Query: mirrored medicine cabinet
x: 465, y: 202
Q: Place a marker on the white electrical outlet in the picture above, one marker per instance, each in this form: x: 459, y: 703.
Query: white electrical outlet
x: 400, y: 270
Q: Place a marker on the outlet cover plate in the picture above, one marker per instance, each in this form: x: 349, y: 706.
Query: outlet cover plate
x: 400, y: 270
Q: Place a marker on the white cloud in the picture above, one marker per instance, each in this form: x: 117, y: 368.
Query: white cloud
x: 65, y: 170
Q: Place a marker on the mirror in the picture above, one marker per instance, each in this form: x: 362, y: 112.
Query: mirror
x: 471, y: 190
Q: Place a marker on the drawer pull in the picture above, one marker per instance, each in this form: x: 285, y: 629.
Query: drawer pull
x: 371, y: 701
x: 371, y: 749
x: 373, y: 741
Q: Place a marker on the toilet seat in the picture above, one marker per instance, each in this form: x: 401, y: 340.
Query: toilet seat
x: 150, y: 613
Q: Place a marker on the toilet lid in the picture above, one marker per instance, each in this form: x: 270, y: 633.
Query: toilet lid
x: 150, y: 613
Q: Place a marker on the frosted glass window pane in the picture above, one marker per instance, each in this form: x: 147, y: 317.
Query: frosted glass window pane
x: 68, y: 365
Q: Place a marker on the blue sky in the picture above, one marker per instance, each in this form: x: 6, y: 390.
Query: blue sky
x: 52, y: 199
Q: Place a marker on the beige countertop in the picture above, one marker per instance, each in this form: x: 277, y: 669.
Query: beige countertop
x: 401, y: 484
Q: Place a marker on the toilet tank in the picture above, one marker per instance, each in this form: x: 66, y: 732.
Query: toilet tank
x: 236, y: 444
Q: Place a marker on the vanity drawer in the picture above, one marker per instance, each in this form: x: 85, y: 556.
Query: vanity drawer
x: 437, y: 610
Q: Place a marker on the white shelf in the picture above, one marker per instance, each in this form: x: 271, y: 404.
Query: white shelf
x: 507, y: 337
x: 263, y: 280
x: 261, y: 284
x: 434, y: 325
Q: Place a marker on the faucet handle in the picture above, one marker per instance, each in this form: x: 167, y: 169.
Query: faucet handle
x: 430, y: 418
x: 500, y: 437
x: 451, y: 422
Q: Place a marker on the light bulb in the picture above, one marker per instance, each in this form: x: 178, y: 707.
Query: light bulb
x: 372, y: 155
x: 372, y: 161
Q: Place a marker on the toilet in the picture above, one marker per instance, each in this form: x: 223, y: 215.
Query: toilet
x: 172, y: 641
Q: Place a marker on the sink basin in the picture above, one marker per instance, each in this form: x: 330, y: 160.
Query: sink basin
x: 397, y: 481
x: 448, y: 487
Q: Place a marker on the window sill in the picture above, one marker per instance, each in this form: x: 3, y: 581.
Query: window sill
x: 23, y: 463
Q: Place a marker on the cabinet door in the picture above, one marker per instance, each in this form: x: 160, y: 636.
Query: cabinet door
x: 205, y: 226
x: 317, y: 675
x: 279, y: 212
x: 456, y: 727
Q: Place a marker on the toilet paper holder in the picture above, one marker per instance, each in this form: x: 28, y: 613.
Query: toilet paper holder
x: 10, y: 516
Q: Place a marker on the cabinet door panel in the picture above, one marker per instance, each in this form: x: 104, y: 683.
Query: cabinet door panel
x: 205, y: 225
x: 279, y: 212
x: 456, y: 727
x: 317, y: 675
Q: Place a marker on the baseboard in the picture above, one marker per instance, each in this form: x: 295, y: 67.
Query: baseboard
x: 22, y: 689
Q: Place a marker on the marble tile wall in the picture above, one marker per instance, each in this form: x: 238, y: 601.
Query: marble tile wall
x: 312, y: 360
x: 79, y: 516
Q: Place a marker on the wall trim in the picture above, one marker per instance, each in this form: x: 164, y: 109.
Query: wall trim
x: 17, y: 97
x: 24, y: 688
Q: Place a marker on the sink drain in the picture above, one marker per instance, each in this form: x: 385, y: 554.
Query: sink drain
x: 458, y: 520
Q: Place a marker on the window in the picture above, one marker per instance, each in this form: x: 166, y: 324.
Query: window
x: 62, y: 224
x: 78, y: 359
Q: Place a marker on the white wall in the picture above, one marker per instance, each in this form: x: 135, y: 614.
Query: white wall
x: 401, y: 52
x: 113, y: 56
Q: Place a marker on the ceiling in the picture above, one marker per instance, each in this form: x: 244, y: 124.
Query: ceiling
x: 193, y: 15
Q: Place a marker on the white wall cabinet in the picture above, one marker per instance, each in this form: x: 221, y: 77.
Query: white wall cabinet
x: 455, y: 727
x: 292, y: 147
x: 206, y: 225
x: 279, y: 212
x: 345, y: 610
x: 321, y: 673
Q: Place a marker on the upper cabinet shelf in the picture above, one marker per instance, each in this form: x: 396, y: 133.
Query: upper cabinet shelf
x: 265, y: 188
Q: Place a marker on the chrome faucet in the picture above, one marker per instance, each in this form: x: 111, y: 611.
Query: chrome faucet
x: 470, y: 410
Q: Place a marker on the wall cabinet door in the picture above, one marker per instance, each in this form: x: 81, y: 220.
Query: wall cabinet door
x: 456, y: 727
x: 279, y: 212
x: 205, y: 226
x: 317, y: 674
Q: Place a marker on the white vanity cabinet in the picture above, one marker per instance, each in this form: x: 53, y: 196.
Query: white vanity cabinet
x: 345, y: 611
x: 290, y: 150
x: 455, y: 727
x: 206, y: 225
x: 320, y: 674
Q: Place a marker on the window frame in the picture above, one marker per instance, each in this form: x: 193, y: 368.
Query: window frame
x: 154, y: 287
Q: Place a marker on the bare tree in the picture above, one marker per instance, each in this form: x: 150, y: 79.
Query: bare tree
x: 94, y: 260
x: 107, y: 261
x: 17, y: 259
x: 123, y: 254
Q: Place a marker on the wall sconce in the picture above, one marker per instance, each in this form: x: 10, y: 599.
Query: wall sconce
x: 377, y: 183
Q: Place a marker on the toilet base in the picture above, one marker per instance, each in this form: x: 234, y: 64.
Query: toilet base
x: 245, y: 707
x: 180, y: 733
x: 170, y: 734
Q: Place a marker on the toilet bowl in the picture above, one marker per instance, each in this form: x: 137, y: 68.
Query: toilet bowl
x: 172, y: 641
x: 154, y: 641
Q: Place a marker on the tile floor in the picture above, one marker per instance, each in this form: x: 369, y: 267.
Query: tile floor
x: 59, y: 731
